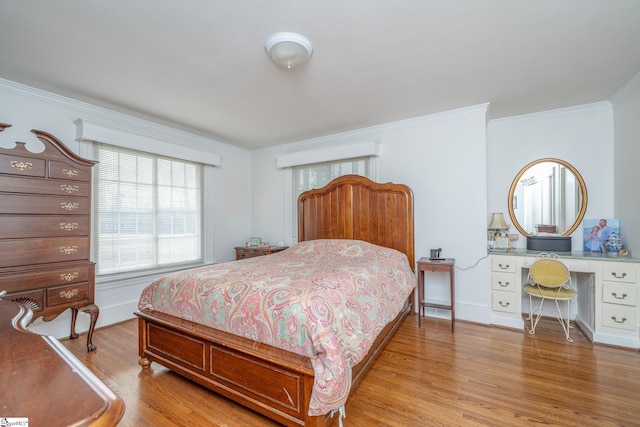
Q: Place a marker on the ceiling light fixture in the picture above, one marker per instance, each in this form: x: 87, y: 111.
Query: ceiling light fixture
x: 288, y: 50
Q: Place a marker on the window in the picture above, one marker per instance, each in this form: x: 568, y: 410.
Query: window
x: 317, y: 175
x: 147, y: 210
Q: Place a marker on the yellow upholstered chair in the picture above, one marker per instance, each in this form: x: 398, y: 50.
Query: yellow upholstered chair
x: 549, y: 279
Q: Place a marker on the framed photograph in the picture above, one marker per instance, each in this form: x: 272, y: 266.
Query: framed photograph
x: 602, y: 235
x: 501, y: 243
x: 254, y: 242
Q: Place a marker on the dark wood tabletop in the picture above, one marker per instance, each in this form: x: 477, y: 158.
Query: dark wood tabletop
x: 43, y: 382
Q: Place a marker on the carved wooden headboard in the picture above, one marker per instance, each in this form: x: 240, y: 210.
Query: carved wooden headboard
x: 354, y: 207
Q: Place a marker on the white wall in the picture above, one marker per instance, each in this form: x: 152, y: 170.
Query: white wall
x: 442, y: 158
x: 26, y: 108
x: 626, y: 106
x: 582, y: 136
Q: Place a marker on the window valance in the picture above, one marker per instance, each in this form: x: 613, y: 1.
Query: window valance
x: 328, y: 154
x: 172, y: 146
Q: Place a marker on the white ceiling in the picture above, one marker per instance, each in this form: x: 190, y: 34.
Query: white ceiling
x: 200, y: 65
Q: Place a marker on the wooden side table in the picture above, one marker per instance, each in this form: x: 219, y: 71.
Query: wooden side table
x: 445, y: 265
x: 243, y: 252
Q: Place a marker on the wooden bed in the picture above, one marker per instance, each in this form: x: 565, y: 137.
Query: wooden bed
x: 271, y: 381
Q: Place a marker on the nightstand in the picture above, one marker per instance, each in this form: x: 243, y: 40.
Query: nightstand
x: 244, y: 252
x: 445, y: 265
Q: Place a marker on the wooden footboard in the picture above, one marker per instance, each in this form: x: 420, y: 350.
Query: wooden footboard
x: 273, y: 382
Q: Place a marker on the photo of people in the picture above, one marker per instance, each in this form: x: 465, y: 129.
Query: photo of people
x: 598, y: 231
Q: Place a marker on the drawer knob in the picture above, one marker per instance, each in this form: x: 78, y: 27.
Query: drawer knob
x: 69, y: 206
x: 70, y: 189
x: 68, y: 226
x: 70, y: 172
x: 504, y: 267
x: 68, y: 294
x: 21, y: 166
x: 615, y: 295
x: 615, y: 319
x: 68, y: 249
x: 502, y: 304
x: 504, y: 285
x: 621, y: 276
x: 68, y: 277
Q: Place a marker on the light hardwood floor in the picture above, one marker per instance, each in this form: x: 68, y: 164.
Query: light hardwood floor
x: 478, y: 376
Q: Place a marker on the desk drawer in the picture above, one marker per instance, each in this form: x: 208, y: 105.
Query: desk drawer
x: 619, y: 293
x: 503, y: 282
x: 577, y: 265
x: 503, y: 301
x: 503, y: 264
x: 619, y: 317
x: 619, y: 272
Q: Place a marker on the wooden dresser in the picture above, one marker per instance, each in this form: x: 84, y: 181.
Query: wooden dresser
x: 45, y: 223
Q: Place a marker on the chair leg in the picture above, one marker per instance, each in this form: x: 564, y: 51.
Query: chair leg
x: 565, y: 322
x: 534, y: 322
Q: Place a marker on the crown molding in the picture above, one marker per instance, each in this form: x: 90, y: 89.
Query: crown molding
x: 120, y: 120
x: 601, y: 106
x: 372, y: 132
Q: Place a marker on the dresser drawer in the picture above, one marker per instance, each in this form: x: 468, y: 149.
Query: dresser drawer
x: 32, y: 299
x: 61, y: 170
x: 17, y: 252
x: 33, y: 204
x: 619, y: 272
x: 503, y: 264
x: 22, y: 165
x: 619, y: 317
x: 13, y: 282
x: 14, y: 184
x: 242, y: 253
x: 503, y: 282
x: 12, y: 227
x: 59, y: 295
x: 503, y: 301
x: 619, y: 293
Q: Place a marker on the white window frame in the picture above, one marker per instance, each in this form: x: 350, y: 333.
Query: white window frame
x: 329, y: 154
x: 153, y: 237
x: 159, y: 140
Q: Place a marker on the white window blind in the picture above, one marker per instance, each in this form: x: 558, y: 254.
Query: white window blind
x: 317, y: 175
x: 147, y: 210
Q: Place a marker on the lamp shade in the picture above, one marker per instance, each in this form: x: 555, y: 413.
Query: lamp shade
x: 498, y: 222
x: 288, y: 49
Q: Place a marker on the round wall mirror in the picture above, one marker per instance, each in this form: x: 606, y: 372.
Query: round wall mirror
x: 547, y: 196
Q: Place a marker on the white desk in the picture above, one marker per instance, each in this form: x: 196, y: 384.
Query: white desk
x: 606, y: 308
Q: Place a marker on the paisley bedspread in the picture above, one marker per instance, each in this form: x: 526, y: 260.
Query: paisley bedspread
x: 324, y: 299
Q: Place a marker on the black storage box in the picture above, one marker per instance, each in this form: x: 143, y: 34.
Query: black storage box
x: 549, y: 243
